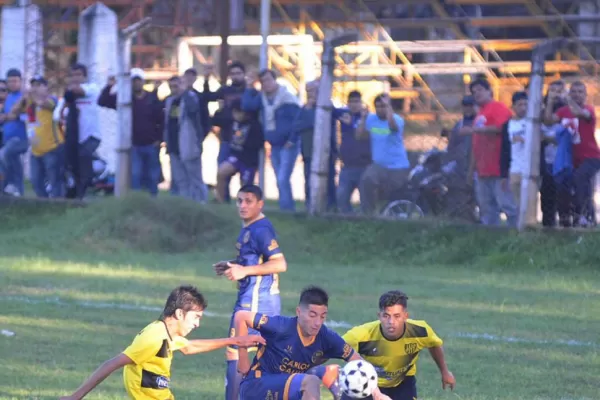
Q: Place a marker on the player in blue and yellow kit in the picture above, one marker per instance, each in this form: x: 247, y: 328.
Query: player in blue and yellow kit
x: 392, y: 344
x: 256, y: 269
x: 289, y: 366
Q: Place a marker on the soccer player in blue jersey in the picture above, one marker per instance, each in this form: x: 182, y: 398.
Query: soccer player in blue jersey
x: 289, y: 366
x: 256, y: 269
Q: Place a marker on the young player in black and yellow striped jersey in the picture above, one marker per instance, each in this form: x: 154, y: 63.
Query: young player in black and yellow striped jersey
x: 147, y: 361
x: 392, y: 344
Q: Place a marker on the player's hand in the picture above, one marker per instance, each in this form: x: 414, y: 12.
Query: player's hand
x: 249, y: 341
x: 221, y: 267
x: 235, y: 272
x: 448, y: 380
x: 377, y: 395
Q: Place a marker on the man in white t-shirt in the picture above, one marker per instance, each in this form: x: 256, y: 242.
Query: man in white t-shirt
x: 82, y: 130
x: 513, y: 146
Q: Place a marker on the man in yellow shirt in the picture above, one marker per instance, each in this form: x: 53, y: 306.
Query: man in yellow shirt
x: 392, y: 344
x: 147, y: 361
x: 47, y: 158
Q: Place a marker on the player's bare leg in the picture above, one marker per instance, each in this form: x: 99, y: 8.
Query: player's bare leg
x: 311, y: 388
x: 328, y: 374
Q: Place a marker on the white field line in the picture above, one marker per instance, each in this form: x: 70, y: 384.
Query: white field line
x: 330, y: 323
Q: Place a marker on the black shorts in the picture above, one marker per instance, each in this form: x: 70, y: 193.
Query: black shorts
x: 407, y: 390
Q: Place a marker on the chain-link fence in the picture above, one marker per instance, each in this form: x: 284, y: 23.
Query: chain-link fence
x: 450, y: 175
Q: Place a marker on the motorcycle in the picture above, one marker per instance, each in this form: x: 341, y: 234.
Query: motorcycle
x: 427, y: 191
x: 103, y: 181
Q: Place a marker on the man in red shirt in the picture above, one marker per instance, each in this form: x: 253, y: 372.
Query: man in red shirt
x: 493, y: 192
x: 580, y: 119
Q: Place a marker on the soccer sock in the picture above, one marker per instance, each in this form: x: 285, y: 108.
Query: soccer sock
x: 328, y: 374
x: 232, y: 381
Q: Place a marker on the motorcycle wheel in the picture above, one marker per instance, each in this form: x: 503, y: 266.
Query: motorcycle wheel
x: 403, y: 210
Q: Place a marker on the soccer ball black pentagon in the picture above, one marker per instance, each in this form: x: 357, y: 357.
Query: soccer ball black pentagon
x: 358, y: 379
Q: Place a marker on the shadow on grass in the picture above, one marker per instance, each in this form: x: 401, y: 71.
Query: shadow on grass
x: 172, y: 226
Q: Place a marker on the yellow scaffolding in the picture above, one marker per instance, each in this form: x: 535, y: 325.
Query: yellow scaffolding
x: 378, y: 58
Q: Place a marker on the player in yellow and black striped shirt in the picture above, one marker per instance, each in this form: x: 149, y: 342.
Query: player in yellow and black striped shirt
x: 392, y: 344
x: 147, y: 361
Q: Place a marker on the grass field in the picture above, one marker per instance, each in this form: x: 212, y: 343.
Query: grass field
x: 520, y: 314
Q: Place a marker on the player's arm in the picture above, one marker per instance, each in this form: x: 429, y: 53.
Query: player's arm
x: 103, y: 372
x: 268, y: 247
x: 436, y: 349
x: 206, y: 345
x: 243, y: 321
x: 437, y: 353
x: 235, y: 272
x: 267, y: 326
x: 275, y: 265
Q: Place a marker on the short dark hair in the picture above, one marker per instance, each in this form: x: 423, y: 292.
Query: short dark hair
x: 517, y: 96
x: 314, y: 295
x: 174, y: 78
x: 578, y: 83
x: 355, y: 94
x: 393, y: 298
x: 265, y: 72
x: 236, y: 64
x: 13, y: 73
x: 379, y: 99
x: 3, y: 81
x: 253, y: 189
x: 191, y: 71
x: 185, y: 298
x: 80, y: 67
x: 558, y: 82
x: 480, y: 82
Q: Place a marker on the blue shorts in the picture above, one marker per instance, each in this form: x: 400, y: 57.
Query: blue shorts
x: 246, y: 173
x: 272, y: 386
x: 268, y: 304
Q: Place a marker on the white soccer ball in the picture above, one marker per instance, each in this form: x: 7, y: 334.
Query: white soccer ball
x: 358, y: 379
